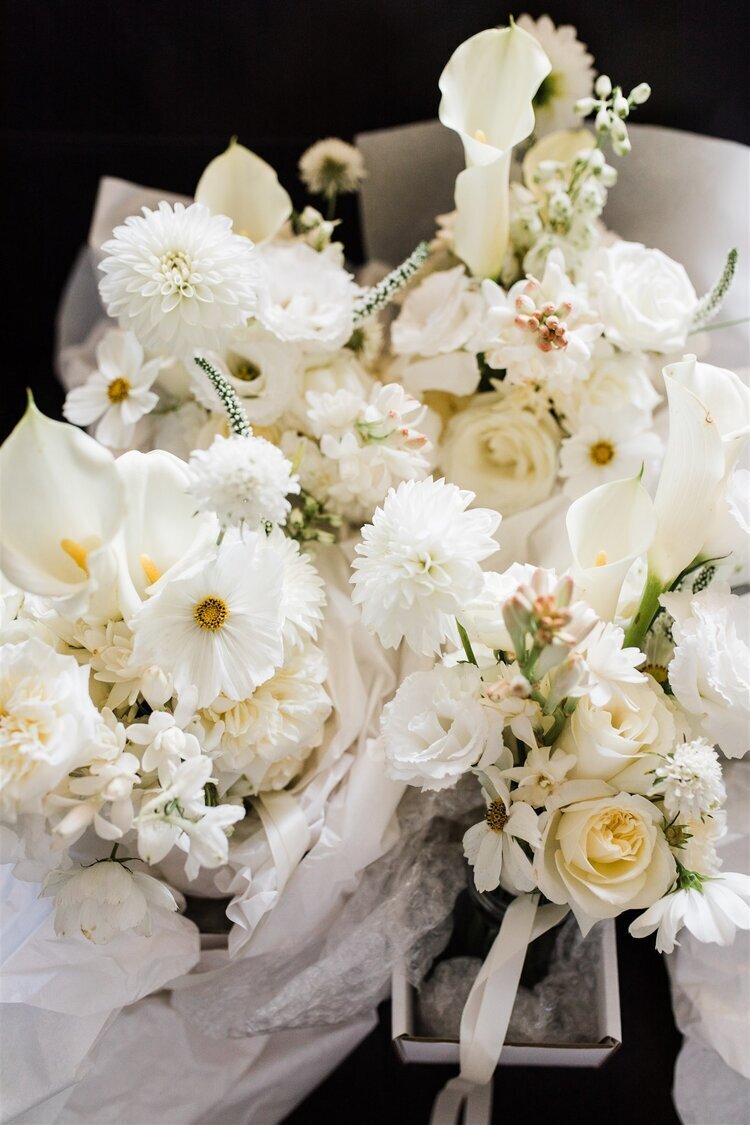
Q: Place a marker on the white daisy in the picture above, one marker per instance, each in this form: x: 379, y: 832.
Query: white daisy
x: 571, y: 77
x: 118, y: 393
x: 609, y: 445
x: 418, y: 563
x: 179, y: 278
x: 331, y: 167
x: 492, y: 846
x: 244, y: 480
x: 712, y: 912
x: 217, y: 625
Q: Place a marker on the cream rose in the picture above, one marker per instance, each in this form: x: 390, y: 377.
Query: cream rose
x: 645, y: 299
x: 618, y: 743
x: 604, y: 856
x: 439, y: 316
x: 504, y: 448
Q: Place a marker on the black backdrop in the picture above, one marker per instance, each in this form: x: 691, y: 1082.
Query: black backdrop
x: 150, y: 90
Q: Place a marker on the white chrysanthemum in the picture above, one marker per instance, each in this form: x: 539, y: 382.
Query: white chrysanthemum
x: 418, y: 563
x: 47, y: 723
x: 492, y: 846
x: 307, y: 298
x: 118, y: 393
x: 571, y: 77
x: 245, y: 480
x: 607, y: 446
x: 216, y: 626
x: 331, y: 167
x: 104, y: 900
x: 712, y: 913
x: 179, y: 278
x: 302, y: 589
x: 689, y: 780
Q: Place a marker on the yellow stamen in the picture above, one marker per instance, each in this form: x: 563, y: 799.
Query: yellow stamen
x: 211, y: 613
x: 602, y: 452
x: 150, y: 568
x: 480, y: 136
x: 118, y: 390
x: 601, y: 559
x: 77, y: 552
x: 496, y: 816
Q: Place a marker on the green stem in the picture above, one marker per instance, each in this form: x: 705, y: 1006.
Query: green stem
x: 331, y: 213
x: 113, y: 853
x: 645, y: 614
x: 721, y: 324
x: 467, y: 644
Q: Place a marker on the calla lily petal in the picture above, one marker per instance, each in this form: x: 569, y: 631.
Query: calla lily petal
x: 608, y: 529
x: 241, y: 185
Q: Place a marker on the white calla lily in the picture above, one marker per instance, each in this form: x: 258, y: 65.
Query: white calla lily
x: 608, y: 529
x: 487, y: 87
x: 62, y: 506
x: 243, y: 186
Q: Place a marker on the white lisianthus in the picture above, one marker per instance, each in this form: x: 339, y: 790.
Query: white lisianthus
x: 616, y: 380
x: 418, y: 563
x: 603, y: 856
x: 712, y: 912
x: 504, y: 447
x: 163, y: 745
x: 607, y: 446
x: 610, y: 668
x: 646, y: 300
x: 331, y: 167
x: 118, y: 393
x: 179, y: 278
x: 710, y: 671
x: 571, y: 77
x: 492, y: 846
x: 105, y: 900
x: 244, y: 480
x: 307, y: 298
x: 435, y: 728
x: 689, y: 781
x: 47, y: 723
x: 261, y: 370
x: 440, y: 315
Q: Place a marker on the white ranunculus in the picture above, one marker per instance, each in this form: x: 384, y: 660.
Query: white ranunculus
x: 439, y: 316
x: 435, y: 728
x: 105, y: 899
x: 504, y: 448
x: 618, y: 742
x: 645, y: 299
x: 710, y: 671
x: 604, y: 856
x: 307, y: 298
x: 47, y: 723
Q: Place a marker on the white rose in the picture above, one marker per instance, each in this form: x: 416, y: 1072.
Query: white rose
x: 618, y: 742
x: 645, y: 299
x: 604, y: 856
x: 435, y: 728
x: 105, y: 899
x: 503, y: 447
x: 439, y: 315
x: 47, y: 723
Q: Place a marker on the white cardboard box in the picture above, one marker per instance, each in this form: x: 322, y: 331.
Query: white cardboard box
x: 420, y: 1049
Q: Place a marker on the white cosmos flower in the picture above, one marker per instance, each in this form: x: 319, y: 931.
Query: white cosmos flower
x: 118, y: 393
x: 418, y: 563
x: 439, y: 315
x: 179, y: 278
x: 571, y: 77
x: 307, y: 298
x: 689, y: 781
x: 104, y: 900
x: 244, y: 480
x: 216, y: 626
x: 331, y: 167
x: 609, y: 666
x: 712, y: 913
x: 607, y: 446
x: 47, y: 723
x: 492, y: 846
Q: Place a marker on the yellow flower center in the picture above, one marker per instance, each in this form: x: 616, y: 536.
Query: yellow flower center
x: 601, y: 559
x: 246, y: 371
x: 77, y: 552
x: 150, y: 569
x: 118, y: 390
x: 496, y: 815
x: 602, y: 452
x: 211, y: 613
x: 481, y: 136
x: 657, y: 672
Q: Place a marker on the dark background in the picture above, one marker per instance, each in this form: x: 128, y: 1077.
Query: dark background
x: 151, y: 90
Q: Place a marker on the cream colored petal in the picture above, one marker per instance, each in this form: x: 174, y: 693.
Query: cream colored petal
x: 481, y: 229
x: 241, y: 185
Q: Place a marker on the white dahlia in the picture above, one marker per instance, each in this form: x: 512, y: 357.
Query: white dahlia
x: 179, y: 278
x: 244, y: 480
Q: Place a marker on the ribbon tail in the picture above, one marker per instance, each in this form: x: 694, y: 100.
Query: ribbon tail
x: 287, y: 831
x: 458, y: 1094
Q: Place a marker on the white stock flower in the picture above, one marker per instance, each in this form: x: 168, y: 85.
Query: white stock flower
x: 215, y: 626
x: 609, y: 666
x: 331, y: 167
x: 244, y: 480
x: 179, y: 278
x: 689, y: 781
x: 504, y: 447
x: 440, y: 315
x: 418, y: 563
x: 710, y: 671
x: 163, y: 745
x: 117, y: 393
x: 606, y: 446
x: 105, y: 900
x: 435, y: 728
x: 492, y: 846
x: 47, y: 723
x: 712, y: 913
x: 645, y: 299
x: 307, y: 298
x: 571, y: 77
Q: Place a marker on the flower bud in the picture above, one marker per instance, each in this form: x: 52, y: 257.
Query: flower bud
x: 603, y: 121
x: 621, y: 106
x: 602, y: 86
x: 156, y: 687
x: 584, y: 106
x: 640, y: 94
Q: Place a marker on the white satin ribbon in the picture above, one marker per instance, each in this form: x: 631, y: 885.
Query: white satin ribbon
x: 487, y: 1012
x: 287, y: 830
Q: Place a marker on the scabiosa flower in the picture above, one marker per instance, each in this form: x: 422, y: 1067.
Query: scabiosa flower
x: 331, y: 167
x: 118, y: 393
x: 571, y: 77
x: 179, y: 278
x: 689, y: 780
x: 419, y: 562
x: 245, y: 480
x: 104, y: 900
